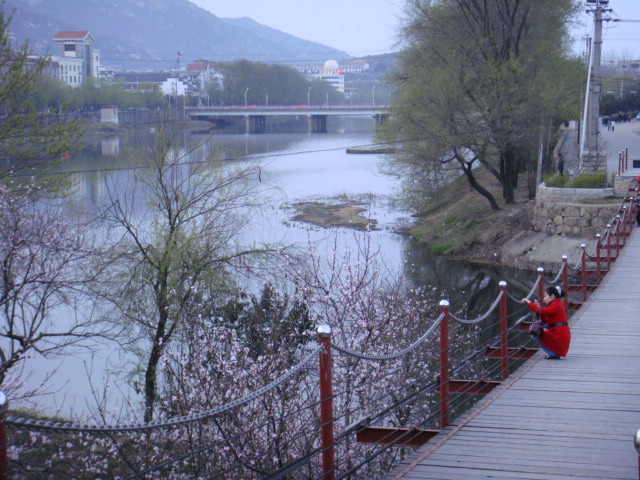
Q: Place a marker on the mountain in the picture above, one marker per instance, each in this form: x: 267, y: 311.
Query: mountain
x: 149, y: 33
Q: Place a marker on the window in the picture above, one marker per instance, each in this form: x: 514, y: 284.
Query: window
x: 69, y: 47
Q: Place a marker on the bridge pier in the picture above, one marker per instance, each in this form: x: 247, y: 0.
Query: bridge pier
x: 379, y: 119
x: 255, y: 123
x: 317, y: 123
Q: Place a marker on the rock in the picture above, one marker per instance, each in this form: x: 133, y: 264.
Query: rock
x: 529, y: 250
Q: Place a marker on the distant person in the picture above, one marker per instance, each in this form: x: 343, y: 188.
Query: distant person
x: 560, y: 164
x: 613, y: 126
x: 556, y: 336
x: 609, y: 125
x: 638, y: 200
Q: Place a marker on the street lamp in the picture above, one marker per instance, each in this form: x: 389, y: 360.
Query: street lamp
x: 308, y: 95
x: 373, y: 95
x: 266, y: 98
x: 245, y: 97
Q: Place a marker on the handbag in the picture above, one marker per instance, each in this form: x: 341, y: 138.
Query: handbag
x: 537, y: 327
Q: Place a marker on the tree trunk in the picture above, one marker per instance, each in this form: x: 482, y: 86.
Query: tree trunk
x: 506, y: 169
x: 479, y: 188
x: 151, y: 374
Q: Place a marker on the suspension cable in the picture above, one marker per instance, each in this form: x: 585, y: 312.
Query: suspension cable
x: 410, y: 348
x: 51, y: 426
x: 479, y: 319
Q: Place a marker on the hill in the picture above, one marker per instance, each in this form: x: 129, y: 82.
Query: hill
x: 148, y: 34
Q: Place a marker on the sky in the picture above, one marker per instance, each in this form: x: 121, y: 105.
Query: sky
x: 358, y: 27
x: 368, y: 27
x: 620, y: 40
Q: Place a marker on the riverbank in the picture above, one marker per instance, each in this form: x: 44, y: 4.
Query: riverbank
x: 460, y: 223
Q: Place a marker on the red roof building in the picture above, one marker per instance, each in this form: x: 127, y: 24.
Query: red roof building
x: 76, y: 56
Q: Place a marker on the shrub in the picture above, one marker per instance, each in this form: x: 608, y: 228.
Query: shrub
x: 586, y: 180
x: 441, y: 248
x: 557, y: 181
x: 590, y: 180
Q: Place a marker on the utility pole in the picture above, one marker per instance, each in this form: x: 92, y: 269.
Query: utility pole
x: 590, y: 125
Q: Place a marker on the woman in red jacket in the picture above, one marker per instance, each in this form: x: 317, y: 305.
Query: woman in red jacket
x: 556, y: 336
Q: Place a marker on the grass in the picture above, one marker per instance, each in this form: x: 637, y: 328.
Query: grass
x: 460, y: 222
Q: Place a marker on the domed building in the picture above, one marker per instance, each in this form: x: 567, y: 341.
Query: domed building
x: 332, y: 73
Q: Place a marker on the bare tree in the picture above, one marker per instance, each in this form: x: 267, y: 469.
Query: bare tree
x: 178, y: 229
x: 43, y: 259
x: 473, y: 80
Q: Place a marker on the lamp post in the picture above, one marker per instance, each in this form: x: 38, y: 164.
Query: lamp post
x: 245, y: 97
x: 373, y: 95
x: 308, y: 96
x: 266, y: 98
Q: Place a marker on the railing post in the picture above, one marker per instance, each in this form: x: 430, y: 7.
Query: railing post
x: 617, y: 236
x: 565, y: 275
x: 540, y: 283
x: 598, y: 258
x: 583, y: 267
x: 636, y: 443
x: 624, y: 225
x: 4, y: 407
x: 619, y: 164
x: 444, y: 364
x: 504, y: 335
x: 608, y: 248
x: 326, y: 405
x: 626, y: 157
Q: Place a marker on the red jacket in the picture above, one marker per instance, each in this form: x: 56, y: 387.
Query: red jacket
x: 556, y: 339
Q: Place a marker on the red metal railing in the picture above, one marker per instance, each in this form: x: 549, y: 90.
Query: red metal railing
x: 620, y: 229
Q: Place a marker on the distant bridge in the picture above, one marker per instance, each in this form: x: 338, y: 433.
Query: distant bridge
x: 256, y: 115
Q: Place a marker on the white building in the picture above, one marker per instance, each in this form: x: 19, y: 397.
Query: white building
x: 203, y: 72
x: 76, y: 58
x: 173, y: 86
x: 331, y: 73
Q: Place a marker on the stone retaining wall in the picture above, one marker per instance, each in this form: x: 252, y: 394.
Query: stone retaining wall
x: 559, y: 211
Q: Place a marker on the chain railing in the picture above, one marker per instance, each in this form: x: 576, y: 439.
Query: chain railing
x: 450, y: 392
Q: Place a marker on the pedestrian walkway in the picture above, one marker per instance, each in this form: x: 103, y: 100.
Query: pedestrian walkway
x: 625, y: 135
x: 570, y: 419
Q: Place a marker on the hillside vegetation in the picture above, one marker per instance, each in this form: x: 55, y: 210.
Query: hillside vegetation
x: 459, y: 221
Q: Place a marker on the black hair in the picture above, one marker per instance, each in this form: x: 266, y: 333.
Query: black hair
x: 555, y: 291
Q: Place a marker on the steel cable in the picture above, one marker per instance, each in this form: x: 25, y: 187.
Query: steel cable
x: 410, y: 348
x: 479, y: 319
x: 533, y: 289
x: 51, y: 426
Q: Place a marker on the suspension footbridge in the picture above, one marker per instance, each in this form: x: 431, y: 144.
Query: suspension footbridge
x: 567, y: 419
x: 436, y: 397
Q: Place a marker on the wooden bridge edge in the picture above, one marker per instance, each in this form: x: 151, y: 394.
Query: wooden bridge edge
x: 465, y: 418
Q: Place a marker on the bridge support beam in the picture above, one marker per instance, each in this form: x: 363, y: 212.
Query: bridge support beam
x: 398, y: 437
x: 379, y: 119
x: 317, y: 123
x: 255, y: 123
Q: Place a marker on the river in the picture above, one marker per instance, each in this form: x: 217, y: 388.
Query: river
x: 305, y: 168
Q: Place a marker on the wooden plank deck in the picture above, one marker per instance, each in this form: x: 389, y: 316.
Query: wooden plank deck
x: 573, y: 418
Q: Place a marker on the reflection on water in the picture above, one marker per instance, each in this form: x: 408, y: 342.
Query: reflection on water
x: 303, y: 167
x: 110, y: 147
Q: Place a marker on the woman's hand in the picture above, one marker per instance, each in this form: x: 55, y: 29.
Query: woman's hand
x: 525, y: 301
